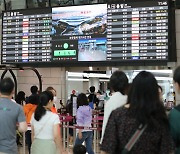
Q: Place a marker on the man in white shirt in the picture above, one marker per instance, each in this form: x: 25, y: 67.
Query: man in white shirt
x: 118, y: 85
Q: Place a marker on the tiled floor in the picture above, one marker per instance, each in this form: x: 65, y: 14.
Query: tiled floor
x: 21, y: 150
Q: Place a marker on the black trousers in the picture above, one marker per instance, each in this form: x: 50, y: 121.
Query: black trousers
x: 28, y: 140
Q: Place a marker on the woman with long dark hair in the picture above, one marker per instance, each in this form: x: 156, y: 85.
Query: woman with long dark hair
x: 46, y: 137
x: 144, y: 108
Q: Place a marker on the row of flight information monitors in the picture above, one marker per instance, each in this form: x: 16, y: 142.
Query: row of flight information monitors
x: 129, y: 31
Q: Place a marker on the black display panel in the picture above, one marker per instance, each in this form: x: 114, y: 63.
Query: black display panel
x: 138, y: 31
x: 130, y: 31
x: 26, y: 36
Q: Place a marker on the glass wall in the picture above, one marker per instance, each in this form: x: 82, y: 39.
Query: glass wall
x: 93, y: 1
x: 22, y: 4
x: 15, y: 4
x: 37, y: 3
x: 61, y: 2
x: 2, y: 7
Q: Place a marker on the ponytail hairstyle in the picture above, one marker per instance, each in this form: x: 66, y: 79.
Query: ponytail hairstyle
x: 44, y: 99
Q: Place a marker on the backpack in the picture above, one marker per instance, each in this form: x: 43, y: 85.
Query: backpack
x: 91, y: 104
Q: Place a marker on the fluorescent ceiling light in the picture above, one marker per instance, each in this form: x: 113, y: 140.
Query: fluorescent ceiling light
x: 157, y: 78
x: 76, y: 79
x: 99, y: 75
x: 88, y: 75
x: 161, y: 71
x: 164, y: 78
x: 75, y: 74
x: 156, y: 71
x: 103, y: 80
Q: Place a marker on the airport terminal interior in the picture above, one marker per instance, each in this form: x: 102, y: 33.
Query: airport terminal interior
x: 71, y: 45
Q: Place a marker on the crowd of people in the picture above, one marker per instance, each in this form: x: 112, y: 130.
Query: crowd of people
x: 135, y: 120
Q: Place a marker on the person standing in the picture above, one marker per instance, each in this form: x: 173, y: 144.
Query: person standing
x: 29, y: 109
x: 143, y: 111
x: 174, y: 114
x: 84, y: 118
x: 69, y: 109
x: 11, y: 113
x: 20, y: 98
x: 45, y: 129
x: 92, y: 97
x: 118, y: 85
x: 51, y: 89
x: 34, y: 92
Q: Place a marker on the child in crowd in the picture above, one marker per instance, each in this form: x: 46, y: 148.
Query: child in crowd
x: 84, y: 118
x: 79, y: 149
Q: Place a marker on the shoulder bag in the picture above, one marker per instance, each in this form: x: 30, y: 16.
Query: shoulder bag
x: 91, y: 104
x: 134, y: 139
x: 40, y: 130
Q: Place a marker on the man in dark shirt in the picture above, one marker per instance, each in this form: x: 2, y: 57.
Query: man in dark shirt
x: 92, y: 97
x: 34, y: 97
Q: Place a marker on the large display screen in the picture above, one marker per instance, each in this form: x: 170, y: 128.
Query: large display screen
x: 79, y: 33
x: 127, y: 31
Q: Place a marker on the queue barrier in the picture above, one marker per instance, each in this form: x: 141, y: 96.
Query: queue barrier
x: 96, y: 123
x: 65, y: 119
x: 81, y: 127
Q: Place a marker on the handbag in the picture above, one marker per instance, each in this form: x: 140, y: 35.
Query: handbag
x: 134, y: 139
x: 40, y: 130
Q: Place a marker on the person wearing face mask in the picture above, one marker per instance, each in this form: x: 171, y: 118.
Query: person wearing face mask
x: 51, y: 89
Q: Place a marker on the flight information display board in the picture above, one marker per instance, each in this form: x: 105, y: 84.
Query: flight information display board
x: 137, y: 31
x: 126, y: 31
x: 26, y: 36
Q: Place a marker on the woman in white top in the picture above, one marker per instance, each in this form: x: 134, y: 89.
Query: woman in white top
x: 45, y: 135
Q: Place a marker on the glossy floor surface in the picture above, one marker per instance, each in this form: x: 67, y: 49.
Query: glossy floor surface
x: 21, y: 150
